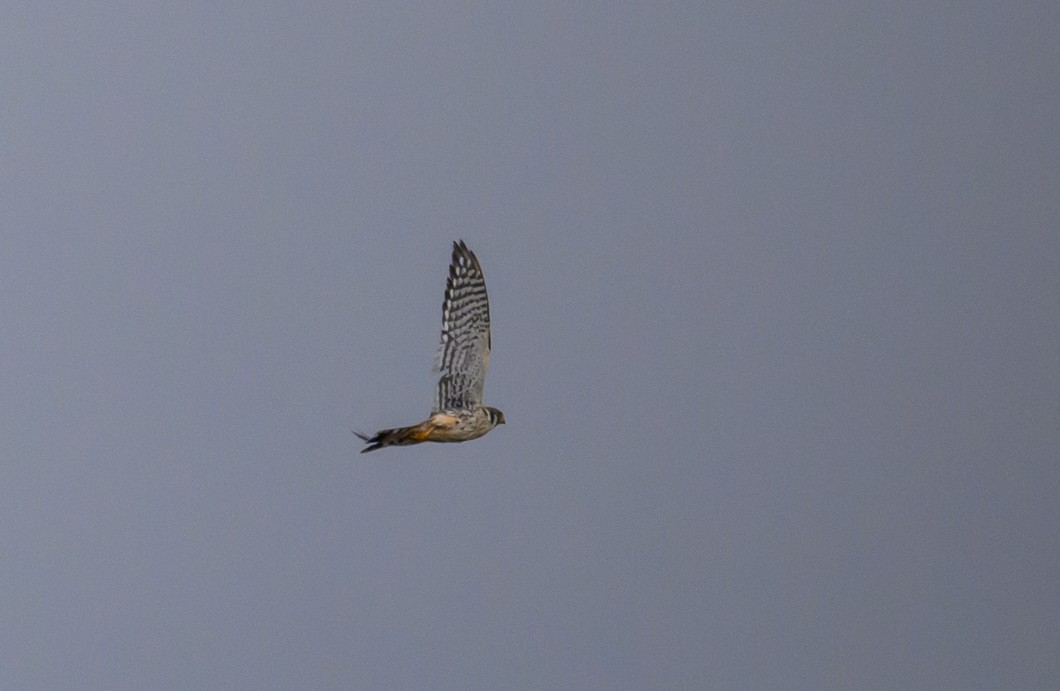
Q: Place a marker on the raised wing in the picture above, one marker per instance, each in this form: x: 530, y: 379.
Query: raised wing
x: 464, y: 352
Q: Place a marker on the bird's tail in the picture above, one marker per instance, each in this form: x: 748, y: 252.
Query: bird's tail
x: 399, y: 436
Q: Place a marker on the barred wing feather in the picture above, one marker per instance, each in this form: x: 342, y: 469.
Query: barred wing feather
x: 464, y: 351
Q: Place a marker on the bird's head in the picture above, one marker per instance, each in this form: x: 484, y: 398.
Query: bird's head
x: 496, y: 416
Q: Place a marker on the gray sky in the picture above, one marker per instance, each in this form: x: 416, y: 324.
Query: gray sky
x: 776, y: 303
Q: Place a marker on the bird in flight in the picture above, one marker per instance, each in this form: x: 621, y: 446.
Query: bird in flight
x: 463, y: 356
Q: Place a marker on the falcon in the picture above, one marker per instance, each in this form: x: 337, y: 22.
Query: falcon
x: 463, y: 357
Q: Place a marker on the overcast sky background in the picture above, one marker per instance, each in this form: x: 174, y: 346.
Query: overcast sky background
x: 776, y: 301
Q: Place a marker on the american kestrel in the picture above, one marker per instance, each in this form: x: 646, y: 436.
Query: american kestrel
x: 463, y: 356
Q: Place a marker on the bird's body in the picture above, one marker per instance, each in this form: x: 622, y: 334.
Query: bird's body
x: 463, y: 357
x: 446, y: 426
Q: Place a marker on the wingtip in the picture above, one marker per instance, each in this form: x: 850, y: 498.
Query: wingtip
x: 459, y: 250
x: 462, y: 255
